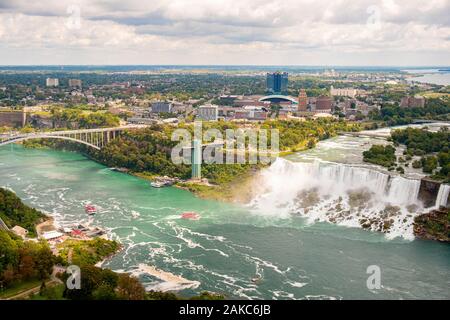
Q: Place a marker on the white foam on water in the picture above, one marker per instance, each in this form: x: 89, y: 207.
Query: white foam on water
x: 282, y: 294
x: 296, y: 284
x: 135, y: 214
x: 170, y: 281
x: 181, y: 234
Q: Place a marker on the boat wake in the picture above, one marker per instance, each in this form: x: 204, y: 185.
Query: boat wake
x: 170, y: 282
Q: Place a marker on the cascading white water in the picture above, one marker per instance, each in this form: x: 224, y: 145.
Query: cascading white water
x: 403, y: 191
x: 442, y: 197
x: 343, y: 194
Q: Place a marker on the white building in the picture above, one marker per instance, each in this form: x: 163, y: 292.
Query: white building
x: 345, y: 92
x: 208, y: 112
x: 20, y: 231
x: 52, y: 82
x: 51, y: 235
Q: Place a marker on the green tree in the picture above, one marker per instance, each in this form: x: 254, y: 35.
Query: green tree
x: 129, y: 288
x: 429, y: 164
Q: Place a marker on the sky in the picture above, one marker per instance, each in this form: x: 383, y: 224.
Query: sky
x: 225, y: 32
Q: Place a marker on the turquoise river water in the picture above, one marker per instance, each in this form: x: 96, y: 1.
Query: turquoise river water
x: 230, y: 244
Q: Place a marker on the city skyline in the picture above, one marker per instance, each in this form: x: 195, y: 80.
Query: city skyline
x: 257, y: 32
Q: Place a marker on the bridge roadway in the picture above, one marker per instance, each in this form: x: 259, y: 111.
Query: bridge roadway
x: 95, y: 138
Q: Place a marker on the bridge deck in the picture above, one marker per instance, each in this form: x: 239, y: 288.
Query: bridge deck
x: 92, y: 137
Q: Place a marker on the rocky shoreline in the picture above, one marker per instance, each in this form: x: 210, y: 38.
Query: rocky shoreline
x: 434, y: 225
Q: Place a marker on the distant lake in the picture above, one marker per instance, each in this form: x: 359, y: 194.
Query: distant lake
x: 433, y: 76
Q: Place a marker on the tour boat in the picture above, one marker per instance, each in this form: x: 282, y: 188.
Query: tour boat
x: 256, y: 279
x: 190, y: 215
x: 162, y: 182
x: 157, y: 184
x: 90, y: 209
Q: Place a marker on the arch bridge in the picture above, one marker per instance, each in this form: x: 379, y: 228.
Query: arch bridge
x: 94, y: 138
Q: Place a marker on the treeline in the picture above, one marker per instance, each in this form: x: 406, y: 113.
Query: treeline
x: 427, y: 150
x: 381, y: 155
x: 104, y: 284
x: 299, y: 134
x: 435, y: 109
x: 74, y: 118
x: 87, y: 252
x: 149, y: 150
x: 14, y: 213
x: 433, y: 147
x: 23, y: 260
x: 144, y: 150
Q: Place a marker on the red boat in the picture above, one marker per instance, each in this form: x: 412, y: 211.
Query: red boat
x: 190, y: 215
x: 90, y: 209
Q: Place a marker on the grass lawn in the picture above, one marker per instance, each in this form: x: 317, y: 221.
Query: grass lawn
x: 19, y: 287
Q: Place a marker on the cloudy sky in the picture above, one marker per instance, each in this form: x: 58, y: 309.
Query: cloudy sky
x: 268, y: 32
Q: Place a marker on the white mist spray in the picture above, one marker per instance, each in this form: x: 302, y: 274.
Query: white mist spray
x: 342, y: 194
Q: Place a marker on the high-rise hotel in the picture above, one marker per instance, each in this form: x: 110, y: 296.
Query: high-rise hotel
x: 277, y: 82
x: 302, y: 101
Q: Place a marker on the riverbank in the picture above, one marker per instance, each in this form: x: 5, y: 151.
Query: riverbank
x: 241, y: 190
x: 46, y: 226
x: 434, y: 225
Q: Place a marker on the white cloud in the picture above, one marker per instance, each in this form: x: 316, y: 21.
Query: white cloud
x: 227, y: 31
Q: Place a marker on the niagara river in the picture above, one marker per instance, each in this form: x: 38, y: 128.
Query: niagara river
x: 300, y: 237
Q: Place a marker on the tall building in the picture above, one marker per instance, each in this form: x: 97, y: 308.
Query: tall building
x: 208, y: 112
x: 302, y: 100
x: 161, y: 106
x: 52, y: 82
x: 75, y: 83
x: 277, y: 82
x: 15, y: 119
x: 345, y: 92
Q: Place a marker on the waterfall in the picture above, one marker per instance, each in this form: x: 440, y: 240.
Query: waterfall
x: 442, y: 197
x: 403, y: 191
x: 343, y: 194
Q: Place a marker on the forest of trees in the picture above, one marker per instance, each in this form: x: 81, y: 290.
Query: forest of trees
x: 149, y: 150
x: 433, y: 147
x: 77, y: 118
x: 23, y: 260
x: 381, y: 155
x: 424, y: 149
x: 297, y: 134
x: 14, y: 213
x: 104, y: 284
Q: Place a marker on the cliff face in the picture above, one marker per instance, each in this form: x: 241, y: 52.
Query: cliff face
x: 434, y: 225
